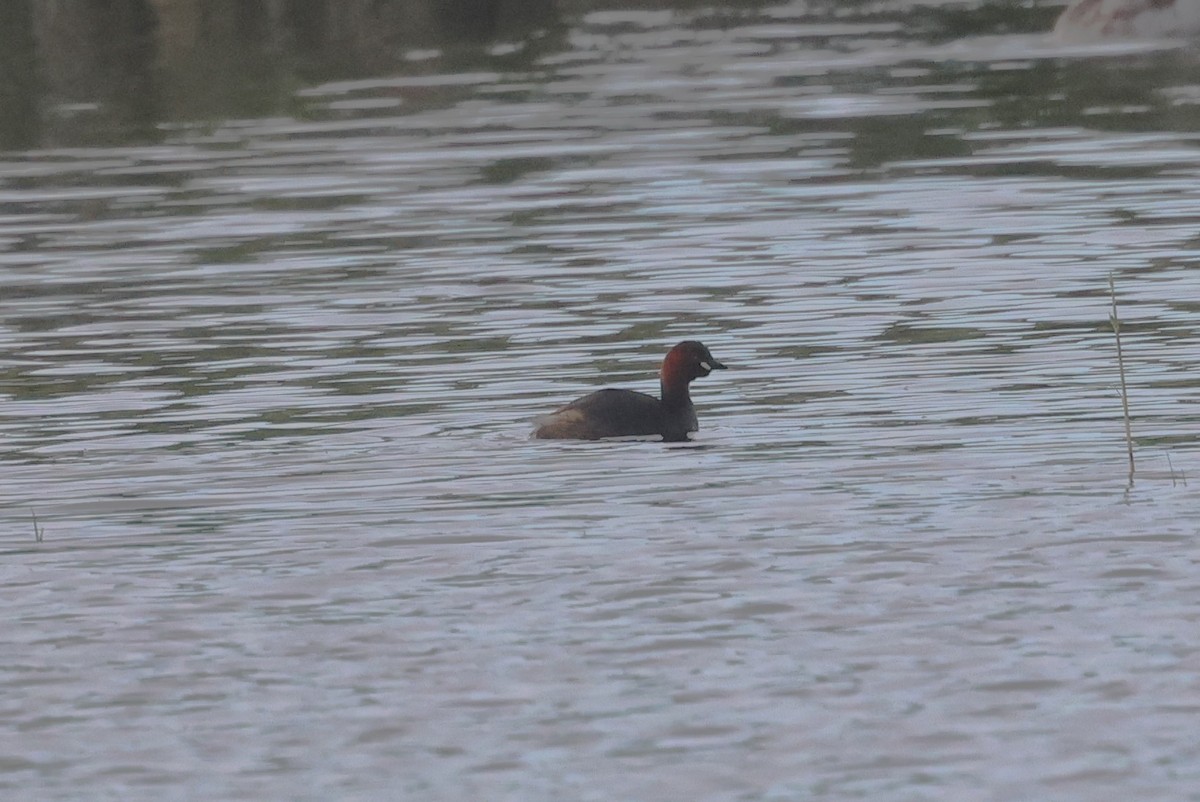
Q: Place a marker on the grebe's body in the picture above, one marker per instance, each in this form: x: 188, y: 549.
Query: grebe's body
x: 625, y: 413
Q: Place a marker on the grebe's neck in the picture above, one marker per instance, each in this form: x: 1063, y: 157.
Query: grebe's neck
x: 674, y: 383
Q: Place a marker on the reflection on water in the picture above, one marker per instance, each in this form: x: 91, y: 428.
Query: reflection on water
x: 84, y: 73
x: 268, y: 383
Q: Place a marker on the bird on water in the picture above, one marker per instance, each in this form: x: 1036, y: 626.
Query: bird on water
x: 626, y: 413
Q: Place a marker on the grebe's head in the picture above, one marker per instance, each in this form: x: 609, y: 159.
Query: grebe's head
x: 688, y: 360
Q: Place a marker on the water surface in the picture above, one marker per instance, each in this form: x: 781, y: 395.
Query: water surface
x: 267, y: 387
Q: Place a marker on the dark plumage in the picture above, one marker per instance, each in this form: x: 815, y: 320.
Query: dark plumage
x: 625, y: 413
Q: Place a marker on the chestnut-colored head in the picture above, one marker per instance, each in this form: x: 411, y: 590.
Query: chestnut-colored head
x: 686, y: 361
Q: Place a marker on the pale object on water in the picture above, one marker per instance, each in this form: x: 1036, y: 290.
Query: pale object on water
x: 1146, y: 19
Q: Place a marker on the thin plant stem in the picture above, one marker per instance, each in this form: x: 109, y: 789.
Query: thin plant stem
x: 1116, y: 327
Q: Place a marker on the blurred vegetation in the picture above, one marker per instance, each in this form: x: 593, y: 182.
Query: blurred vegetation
x: 18, y: 82
x: 106, y: 71
x: 110, y: 71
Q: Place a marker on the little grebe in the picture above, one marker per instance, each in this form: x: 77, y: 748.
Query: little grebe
x: 625, y: 413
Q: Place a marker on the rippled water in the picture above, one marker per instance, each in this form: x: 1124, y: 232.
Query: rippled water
x: 267, y: 388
